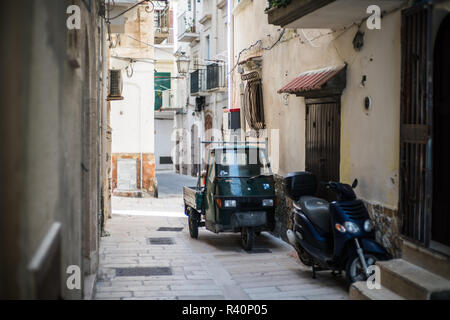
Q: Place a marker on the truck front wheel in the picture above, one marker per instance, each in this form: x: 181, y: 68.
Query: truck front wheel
x: 194, y: 218
x: 247, y: 238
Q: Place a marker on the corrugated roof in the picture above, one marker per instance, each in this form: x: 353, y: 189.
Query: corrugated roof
x: 311, y: 80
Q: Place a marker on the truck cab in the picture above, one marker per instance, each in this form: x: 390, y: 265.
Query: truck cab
x: 239, y: 192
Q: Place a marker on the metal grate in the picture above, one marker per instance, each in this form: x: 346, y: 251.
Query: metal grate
x: 415, y: 117
x: 115, y: 83
x: 258, y: 250
x: 143, y: 272
x: 160, y: 241
x: 165, y: 160
x: 170, y: 229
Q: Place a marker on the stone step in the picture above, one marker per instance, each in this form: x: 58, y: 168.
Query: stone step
x: 412, y: 282
x: 360, y: 291
x: 427, y: 259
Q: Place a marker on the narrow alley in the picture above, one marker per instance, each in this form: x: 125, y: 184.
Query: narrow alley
x: 151, y: 236
x: 225, y: 150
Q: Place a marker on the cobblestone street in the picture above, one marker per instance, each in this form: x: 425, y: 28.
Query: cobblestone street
x: 212, y: 267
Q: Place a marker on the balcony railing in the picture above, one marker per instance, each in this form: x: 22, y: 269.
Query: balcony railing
x: 198, y: 81
x: 215, y: 76
x: 186, y: 27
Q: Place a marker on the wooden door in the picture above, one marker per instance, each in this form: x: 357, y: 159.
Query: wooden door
x: 323, y: 132
x: 440, y: 219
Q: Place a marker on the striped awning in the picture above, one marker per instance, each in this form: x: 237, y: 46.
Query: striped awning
x: 311, y: 80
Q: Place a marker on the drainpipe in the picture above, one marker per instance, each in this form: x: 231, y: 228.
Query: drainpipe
x: 140, y: 144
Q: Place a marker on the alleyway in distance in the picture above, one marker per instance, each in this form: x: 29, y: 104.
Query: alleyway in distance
x: 139, y: 261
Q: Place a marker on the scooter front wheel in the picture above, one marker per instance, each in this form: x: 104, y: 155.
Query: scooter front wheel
x: 304, y: 256
x: 354, y: 270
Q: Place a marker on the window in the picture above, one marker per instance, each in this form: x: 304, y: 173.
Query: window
x: 208, y: 48
x: 162, y: 84
x: 246, y: 162
x: 189, y: 5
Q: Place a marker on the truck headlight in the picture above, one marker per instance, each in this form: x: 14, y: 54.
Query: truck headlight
x: 351, y: 227
x: 230, y: 203
x: 368, y: 225
x: 267, y: 203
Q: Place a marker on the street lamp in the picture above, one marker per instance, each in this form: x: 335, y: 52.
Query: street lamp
x: 183, y: 64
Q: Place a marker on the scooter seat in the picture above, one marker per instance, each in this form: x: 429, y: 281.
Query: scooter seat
x: 317, y: 210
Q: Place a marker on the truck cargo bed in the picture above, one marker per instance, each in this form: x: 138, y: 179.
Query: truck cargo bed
x: 193, y: 197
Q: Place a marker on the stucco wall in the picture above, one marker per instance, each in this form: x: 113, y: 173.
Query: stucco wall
x: 51, y: 107
x: 164, y: 145
x: 132, y: 118
x: 369, y: 147
x: 369, y: 141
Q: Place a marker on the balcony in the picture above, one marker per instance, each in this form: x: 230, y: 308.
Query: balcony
x: 324, y: 14
x: 162, y: 25
x: 198, y: 82
x: 216, y: 77
x: 186, y: 27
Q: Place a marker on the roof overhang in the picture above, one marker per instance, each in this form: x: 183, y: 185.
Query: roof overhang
x: 330, y: 81
x: 327, y: 14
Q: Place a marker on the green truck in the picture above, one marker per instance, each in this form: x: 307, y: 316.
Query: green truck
x: 238, y: 193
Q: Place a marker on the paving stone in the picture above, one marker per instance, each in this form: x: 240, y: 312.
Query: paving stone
x: 212, y: 267
x: 187, y: 293
x: 112, y: 294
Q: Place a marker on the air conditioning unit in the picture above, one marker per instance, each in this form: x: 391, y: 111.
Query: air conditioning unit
x: 115, y: 85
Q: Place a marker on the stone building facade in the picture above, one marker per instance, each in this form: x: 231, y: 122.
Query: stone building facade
x: 132, y: 114
x: 202, y: 95
x: 53, y: 157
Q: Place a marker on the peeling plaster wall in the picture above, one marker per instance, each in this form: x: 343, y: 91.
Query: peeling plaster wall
x: 132, y: 119
x: 369, y: 140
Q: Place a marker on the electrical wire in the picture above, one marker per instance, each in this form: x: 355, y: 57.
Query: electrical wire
x: 344, y: 30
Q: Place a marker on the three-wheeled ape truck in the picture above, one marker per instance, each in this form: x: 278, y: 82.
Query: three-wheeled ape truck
x: 236, y: 194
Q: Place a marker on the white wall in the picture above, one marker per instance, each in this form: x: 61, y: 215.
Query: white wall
x: 132, y: 118
x: 164, y: 144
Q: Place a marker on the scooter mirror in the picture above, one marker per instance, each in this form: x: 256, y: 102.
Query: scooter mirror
x: 355, y: 183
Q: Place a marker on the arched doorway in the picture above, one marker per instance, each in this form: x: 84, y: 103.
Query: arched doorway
x: 194, y: 150
x: 440, y: 219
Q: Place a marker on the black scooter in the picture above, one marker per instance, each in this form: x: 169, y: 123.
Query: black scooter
x: 332, y: 236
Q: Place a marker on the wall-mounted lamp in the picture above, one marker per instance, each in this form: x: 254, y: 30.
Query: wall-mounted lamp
x: 183, y: 64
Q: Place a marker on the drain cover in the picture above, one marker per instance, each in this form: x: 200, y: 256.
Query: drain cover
x: 160, y: 241
x: 170, y: 229
x: 143, y: 272
x: 261, y: 250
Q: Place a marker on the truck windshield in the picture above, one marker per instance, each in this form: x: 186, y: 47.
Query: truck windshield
x: 246, y: 163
